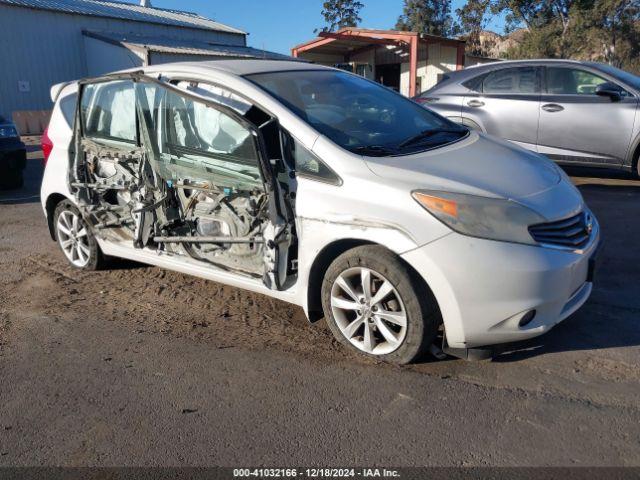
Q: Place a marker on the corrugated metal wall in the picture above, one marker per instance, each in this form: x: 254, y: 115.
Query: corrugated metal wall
x: 442, y: 59
x: 104, y: 57
x: 40, y: 48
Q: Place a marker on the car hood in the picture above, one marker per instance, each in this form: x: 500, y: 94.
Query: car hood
x: 485, y: 166
x: 477, y: 165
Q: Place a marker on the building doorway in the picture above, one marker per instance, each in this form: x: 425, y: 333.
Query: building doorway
x: 389, y: 75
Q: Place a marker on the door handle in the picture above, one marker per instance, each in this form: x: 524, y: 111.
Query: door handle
x: 475, y: 103
x: 552, y: 107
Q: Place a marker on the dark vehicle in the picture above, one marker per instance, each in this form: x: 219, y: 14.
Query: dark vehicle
x: 576, y: 113
x: 13, y: 156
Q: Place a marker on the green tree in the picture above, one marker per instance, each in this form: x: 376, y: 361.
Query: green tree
x: 432, y: 17
x: 613, y: 27
x: 602, y: 30
x: 340, y: 13
x: 473, y: 17
x: 527, y: 14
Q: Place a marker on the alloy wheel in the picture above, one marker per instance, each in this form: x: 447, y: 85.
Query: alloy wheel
x: 73, y: 238
x: 369, y: 311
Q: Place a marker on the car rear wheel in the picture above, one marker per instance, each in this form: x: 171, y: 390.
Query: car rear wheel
x: 75, y: 238
x: 375, y: 306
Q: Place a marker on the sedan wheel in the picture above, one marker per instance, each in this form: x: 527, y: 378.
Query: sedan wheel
x: 369, y: 311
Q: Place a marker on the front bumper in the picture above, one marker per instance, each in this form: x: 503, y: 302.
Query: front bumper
x: 484, y: 287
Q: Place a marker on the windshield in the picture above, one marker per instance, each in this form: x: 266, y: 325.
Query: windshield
x: 626, y: 77
x: 360, y: 116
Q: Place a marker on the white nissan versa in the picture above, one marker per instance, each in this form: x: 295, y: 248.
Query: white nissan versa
x: 323, y: 189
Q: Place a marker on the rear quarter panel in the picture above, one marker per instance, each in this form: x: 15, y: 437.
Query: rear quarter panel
x: 60, y: 131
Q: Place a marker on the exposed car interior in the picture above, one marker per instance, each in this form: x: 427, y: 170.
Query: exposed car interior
x: 180, y: 168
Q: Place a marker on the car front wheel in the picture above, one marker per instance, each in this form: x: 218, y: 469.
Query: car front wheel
x: 75, y: 238
x: 376, y: 306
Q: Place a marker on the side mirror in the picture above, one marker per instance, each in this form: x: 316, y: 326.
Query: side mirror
x: 611, y: 90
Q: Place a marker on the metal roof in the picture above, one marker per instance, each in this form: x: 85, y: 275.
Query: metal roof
x: 527, y: 61
x: 126, y: 11
x: 185, y: 46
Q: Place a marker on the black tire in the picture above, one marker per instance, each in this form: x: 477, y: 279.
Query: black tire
x: 422, y: 313
x: 96, y: 260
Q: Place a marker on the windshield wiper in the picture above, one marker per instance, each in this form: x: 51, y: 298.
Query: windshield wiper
x: 429, y: 133
x: 374, y: 150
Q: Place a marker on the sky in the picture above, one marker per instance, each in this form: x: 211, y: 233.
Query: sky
x: 278, y: 25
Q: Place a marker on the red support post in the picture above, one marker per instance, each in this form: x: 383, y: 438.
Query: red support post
x: 413, y: 65
x: 460, y: 57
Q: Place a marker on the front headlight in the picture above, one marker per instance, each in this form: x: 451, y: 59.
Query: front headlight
x: 482, y: 217
x: 8, y: 132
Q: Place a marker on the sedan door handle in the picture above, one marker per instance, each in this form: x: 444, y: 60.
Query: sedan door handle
x: 552, y: 107
x: 475, y: 103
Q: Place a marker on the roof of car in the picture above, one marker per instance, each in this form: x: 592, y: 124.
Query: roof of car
x: 530, y: 60
x: 240, y: 67
x: 474, y: 70
x: 539, y: 61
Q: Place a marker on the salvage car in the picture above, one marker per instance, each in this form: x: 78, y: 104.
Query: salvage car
x: 576, y: 113
x: 13, y: 156
x: 323, y: 189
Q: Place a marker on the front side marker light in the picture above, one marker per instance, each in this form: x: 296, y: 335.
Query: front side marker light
x: 437, y: 204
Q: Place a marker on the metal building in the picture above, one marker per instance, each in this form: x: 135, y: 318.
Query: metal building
x: 43, y: 42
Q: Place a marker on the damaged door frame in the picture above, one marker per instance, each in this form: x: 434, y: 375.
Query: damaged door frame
x: 283, y: 224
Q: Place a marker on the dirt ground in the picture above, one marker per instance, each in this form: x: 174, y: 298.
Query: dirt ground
x: 142, y: 366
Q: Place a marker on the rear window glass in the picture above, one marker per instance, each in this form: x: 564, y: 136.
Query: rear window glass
x: 512, y: 80
x: 475, y: 83
x: 68, y: 107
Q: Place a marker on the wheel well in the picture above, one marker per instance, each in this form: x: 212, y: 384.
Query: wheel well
x: 52, y: 202
x: 316, y: 275
x: 327, y: 255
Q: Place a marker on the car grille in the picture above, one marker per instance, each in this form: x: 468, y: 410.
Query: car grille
x: 573, y: 232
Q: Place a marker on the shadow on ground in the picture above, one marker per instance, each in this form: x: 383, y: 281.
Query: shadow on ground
x: 30, y: 192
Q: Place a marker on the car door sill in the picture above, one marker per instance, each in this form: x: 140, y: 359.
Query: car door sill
x: 191, y: 267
